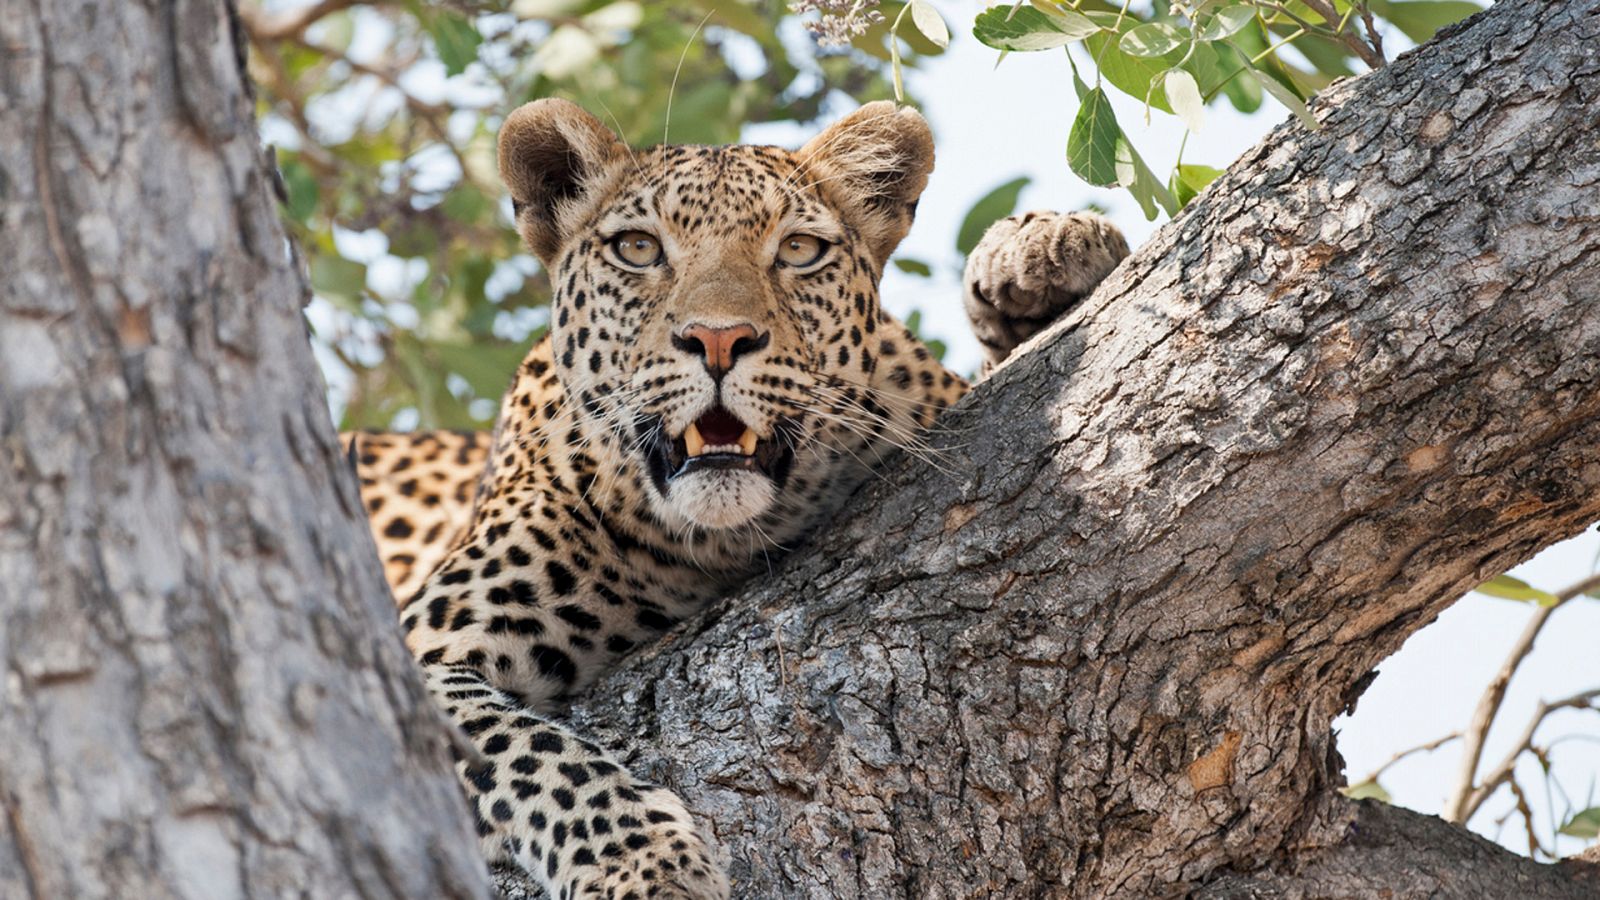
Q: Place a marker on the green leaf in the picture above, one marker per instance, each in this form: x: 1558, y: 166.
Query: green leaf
x: 486, y: 365
x: 1152, y: 39
x: 337, y: 277
x: 913, y: 323
x: 1367, y: 790
x: 990, y: 208
x: 412, y: 236
x: 1129, y: 74
x: 1189, y: 180
x: 301, y: 187
x: 1024, y: 28
x: 916, y: 266
x: 1092, y: 144
x: 1584, y: 824
x: 1286, y: 97
x: 456, y: 39
x: 735, y: 14
x: 1420, y: 19
x: 1067, y: 21
x: 1184, y: 95
x: 928, y: 21
x: 465, y: 203
x: 1507, y: 588
x: 1225, y: 22
x: 1135, y: 175
x: 1220, y: 69
x: 1329, y: 60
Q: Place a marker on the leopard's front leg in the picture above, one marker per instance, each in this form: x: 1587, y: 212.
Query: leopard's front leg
x: 564, y: 810
x: 1030, y: 269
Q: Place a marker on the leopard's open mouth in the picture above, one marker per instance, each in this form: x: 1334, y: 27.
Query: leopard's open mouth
x: 717, y: 440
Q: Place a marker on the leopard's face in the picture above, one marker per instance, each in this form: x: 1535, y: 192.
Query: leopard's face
x: 712, y: 313
x: 715, y: 311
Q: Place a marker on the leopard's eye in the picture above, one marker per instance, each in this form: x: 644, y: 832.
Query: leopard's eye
x: 637, y: 249
x: 801, y: 250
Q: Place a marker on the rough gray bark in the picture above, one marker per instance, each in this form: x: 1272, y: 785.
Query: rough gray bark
x: 203, y: 693
x: 1097, y: 650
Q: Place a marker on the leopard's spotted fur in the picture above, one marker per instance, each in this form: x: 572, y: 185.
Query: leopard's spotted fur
x: 585, y: 540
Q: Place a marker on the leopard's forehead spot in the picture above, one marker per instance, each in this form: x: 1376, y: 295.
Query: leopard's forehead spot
x: 719, y: 192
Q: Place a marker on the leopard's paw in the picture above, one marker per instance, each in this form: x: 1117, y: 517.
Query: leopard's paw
x: 651, y: 851
x: 1030, y: 269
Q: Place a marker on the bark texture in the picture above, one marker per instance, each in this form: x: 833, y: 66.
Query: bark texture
x: 1097, y: 649
x: 203, y: 693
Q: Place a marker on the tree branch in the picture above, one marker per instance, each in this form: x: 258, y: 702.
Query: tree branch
x: 1502, y: 773
x: 1354, y: 379
x: 1359, y: 849
x: 1371, y: 54
x: 1464, y: 799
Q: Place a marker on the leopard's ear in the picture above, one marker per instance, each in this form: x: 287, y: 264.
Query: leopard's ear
x: 553, y: 157
x: 875, y: 163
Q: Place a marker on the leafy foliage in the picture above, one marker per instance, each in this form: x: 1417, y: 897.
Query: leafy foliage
x: 1584, y: 824
x: 383, y: 114
x: 1179, y: 57
x: 1368, y: 790
x: 1506, y: 587
x: 990, y: 208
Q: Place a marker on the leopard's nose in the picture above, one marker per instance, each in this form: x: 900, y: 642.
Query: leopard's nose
x: 720, y: 346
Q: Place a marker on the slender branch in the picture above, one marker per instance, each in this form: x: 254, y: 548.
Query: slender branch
x: 1502, y: 773
x: 1460, y: 806
x: 1374, y: 37
x: 432, y: 115
x: 1429, y: 747
x: 293, y: 23
x: 1371, y: 54
x: 274, y: 76
x: 1456, y: 809
x: 1525, y: 809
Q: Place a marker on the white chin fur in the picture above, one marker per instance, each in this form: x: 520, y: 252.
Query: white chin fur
x: 721, y: 499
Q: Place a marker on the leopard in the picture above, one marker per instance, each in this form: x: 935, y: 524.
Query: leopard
x: 718, y: 378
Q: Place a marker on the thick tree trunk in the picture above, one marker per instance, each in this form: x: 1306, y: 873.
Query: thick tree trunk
x: 204, y: 695
x: 1096, y: 651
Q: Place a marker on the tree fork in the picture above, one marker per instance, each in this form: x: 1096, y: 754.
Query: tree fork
x: 1096, y: 649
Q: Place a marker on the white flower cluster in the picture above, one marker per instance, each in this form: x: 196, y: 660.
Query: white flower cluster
x: 841, y: 20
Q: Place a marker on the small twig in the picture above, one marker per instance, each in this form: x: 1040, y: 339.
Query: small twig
x: 1429, y: 747
x: 1371, y: 55
x: 1460, y: 806
x: 1287, y: 13
x: 277, y: 81
x: 1502, y: 773
x: 1373, y: 35
x: 1543, y: 756
x: 293, y: 23
x: 1526, y: 811
x: 430, y: 114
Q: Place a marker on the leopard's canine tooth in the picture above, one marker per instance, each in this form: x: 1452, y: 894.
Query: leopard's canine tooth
x: 747, y: 442
x: 693, y: 443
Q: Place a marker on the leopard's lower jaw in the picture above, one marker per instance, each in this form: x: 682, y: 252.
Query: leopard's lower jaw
x: 721, y: 498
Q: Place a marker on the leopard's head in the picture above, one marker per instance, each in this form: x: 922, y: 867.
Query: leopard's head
x: 715, y: 310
